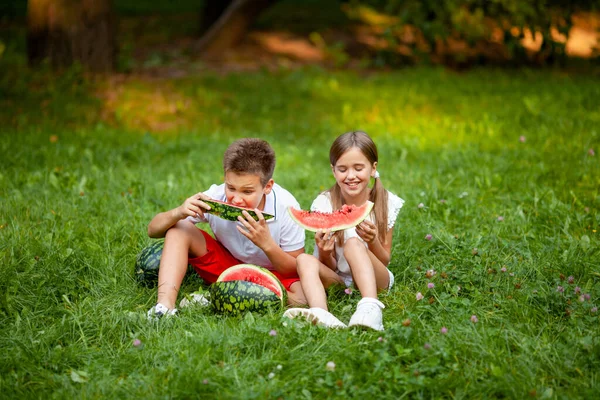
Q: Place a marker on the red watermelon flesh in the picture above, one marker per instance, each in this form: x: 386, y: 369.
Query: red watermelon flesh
x: 346, y: 217
x: 254, y: 274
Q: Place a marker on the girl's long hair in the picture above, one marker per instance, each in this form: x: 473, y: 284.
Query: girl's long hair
x: 378, y: 194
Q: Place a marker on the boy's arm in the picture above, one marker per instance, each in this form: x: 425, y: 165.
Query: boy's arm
x: 162, y: 222
x: 258, y: 232
x: 191, y: 207
x: 283, y: 262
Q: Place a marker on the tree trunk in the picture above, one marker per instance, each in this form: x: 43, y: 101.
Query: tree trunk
x: 211, y: 12
x: 231, y: 26
x: 69, y: 31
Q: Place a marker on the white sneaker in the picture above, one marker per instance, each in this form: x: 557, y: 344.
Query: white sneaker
x: 160, y: 310
x: 315, y: 315
x: 368, y: 314
x: 196, y: 299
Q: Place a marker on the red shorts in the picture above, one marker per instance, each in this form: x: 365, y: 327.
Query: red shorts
x: 217, y: 259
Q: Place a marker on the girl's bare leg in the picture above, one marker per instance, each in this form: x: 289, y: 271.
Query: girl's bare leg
x: 315, y: 277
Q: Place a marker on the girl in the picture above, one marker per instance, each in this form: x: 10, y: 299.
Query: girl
x: 359, y: 254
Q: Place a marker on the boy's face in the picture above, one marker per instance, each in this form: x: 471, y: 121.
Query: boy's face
x: 245, y: 190
x: 353, y: 172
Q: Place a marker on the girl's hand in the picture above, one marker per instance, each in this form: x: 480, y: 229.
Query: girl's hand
x: 257, y: 231
x: 325, y: 241
x: 193, y: 207
x: 367, y: 231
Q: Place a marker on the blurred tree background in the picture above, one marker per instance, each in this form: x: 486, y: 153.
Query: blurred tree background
x: 103, y: 35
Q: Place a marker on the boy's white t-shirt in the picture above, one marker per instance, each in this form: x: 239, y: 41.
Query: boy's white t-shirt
x: 286, y: 233
x: 323, y: 204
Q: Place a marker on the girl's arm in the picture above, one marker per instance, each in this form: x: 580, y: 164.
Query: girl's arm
x: 328, y: 259
x: 368, y: 232
x: 382, y: 251
x: 325, y: 242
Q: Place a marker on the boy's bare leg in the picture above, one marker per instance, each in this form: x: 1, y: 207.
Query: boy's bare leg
x: 315, y: 277
x: 181, y: 241
x: 296, y: 295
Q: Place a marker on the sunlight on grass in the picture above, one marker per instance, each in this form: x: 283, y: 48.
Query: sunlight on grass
x: 494, y: 253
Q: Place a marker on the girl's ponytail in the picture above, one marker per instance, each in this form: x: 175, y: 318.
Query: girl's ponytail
x: 379, y: 197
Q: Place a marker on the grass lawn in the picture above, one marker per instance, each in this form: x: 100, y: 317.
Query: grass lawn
x: 501, y: 168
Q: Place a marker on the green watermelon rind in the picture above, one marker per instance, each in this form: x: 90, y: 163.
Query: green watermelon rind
x: 368, y: 206
x: 231, y: 212
x: 255, y: 269
x: 236, y: 297
x: 147, y: 263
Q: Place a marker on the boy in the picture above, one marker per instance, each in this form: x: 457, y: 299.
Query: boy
x: 248, y: 165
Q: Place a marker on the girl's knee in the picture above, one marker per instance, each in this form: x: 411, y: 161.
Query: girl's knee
x: 305, y: 259
x: 306, y: 263
x: 353, y: 244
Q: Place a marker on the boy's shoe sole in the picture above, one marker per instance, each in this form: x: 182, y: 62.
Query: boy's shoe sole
x: 159, y: 311
x: 194, y: 299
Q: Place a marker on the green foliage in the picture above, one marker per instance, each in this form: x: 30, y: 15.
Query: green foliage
x: 303, y: 16
x: 82, y: 172
x: 476, y: 21
x: 145, y: 7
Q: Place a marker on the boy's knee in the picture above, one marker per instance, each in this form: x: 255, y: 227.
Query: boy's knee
x: 181, y: 228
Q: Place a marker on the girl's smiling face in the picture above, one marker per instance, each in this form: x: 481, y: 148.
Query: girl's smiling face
x: 245, y: 190
x: 352, y: 172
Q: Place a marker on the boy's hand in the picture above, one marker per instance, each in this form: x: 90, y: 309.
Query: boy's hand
x: 325, y: 241
x: 193, y: 206
x: 367, y: 231
x: 257, y: 231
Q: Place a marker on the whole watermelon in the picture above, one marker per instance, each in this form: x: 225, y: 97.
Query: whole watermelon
x: 148, y: 263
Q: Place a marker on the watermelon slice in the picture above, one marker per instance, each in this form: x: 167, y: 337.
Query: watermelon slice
x: 346, y: 217
x: 247, y: 287
x: 230, y: 212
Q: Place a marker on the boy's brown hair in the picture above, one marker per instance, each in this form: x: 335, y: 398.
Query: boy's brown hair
x: 250, y: 156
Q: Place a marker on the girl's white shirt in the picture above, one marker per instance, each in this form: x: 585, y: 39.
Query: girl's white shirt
x: 323, y: 204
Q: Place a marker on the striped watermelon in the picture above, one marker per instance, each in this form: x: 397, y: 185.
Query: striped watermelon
x: 246, y: 287
x: 231, y: 212
x: 147, y: 263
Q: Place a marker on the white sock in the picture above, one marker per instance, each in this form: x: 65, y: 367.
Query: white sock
x: 367, y: 300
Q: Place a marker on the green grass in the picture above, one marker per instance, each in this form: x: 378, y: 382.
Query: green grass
x: 85, y: 166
